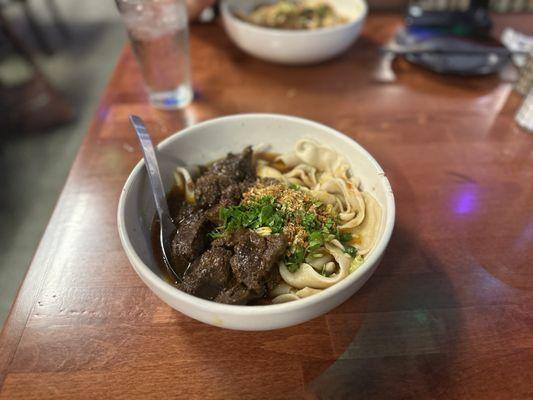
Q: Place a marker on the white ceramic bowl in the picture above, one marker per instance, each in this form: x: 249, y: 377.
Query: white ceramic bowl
x: 210, y: 140
x: 295, y: 47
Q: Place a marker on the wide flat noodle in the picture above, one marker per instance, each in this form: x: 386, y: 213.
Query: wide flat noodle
x: 282, y: 288
x: 307, y: 276
x: 349, y: 200
x: 309, y: 152
x: 185, y: 184
x: 323, y: 196
x: 285, y: 298
x: 283, y: 293
x: 321, y: 157
x: 265, y: 171
x: 366, y: 234
x: 289, y: 160
x: 306, y: 292
x: 304, y: 175
x: 318, y: 262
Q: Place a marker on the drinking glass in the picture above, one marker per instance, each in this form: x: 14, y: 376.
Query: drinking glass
x: 158, y: 30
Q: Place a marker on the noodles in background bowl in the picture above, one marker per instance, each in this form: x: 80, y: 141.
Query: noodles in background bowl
x: 294, y: 14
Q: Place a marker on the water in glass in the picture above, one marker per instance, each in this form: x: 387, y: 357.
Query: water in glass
x: 159, y: 35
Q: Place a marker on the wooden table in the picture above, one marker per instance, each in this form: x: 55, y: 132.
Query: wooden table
x: 448, y: 314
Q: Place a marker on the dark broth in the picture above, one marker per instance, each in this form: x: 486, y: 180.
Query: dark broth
x: 175, y: 199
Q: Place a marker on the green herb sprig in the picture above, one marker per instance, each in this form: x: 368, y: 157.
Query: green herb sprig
x: 318, y: 234
x: 264, y: 212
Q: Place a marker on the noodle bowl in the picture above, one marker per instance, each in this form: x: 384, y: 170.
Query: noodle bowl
x: 203, y: 142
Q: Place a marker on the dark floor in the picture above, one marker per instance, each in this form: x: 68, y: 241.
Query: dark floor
x: 33, y: 167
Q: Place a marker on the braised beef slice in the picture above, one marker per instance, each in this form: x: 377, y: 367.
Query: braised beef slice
x: 255, y: 257
x: 229, y: 240
x: 275, y: 280
x: 209, y: 274
x: 236, y: 166
x: 238, y: 268
x: 208, y: 188
x: 191, y: 236
x: 230, y: 196
x: 185, y: 212
x: 236, y: 294
x: 221, y: 183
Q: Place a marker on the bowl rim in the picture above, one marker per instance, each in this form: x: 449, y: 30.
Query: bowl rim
x: 257, y: 310
x: 228, y: 14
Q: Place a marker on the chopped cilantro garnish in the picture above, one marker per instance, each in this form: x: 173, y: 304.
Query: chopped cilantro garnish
x: 257, y: 214
x: 266, y: 214
x: 294, y: 259
x: 316, y: 239
x: 294, y: 186
x: 309, y: 221
x: 350, y: 250
x: 345, y: 237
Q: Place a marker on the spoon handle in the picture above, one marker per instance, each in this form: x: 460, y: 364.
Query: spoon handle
x: 152, y: 167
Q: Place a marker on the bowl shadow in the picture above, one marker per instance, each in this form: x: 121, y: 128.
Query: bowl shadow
x: 391, y: 339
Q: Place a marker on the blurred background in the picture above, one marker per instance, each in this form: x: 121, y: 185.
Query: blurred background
x: 55, y: 59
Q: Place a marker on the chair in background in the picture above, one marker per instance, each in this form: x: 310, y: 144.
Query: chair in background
x: 33, y: 104
x: 38, y: 33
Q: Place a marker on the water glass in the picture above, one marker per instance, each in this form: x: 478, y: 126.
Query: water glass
x: 158, y: 30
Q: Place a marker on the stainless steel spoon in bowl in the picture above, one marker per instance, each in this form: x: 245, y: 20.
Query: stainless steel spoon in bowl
x: 167, y: 227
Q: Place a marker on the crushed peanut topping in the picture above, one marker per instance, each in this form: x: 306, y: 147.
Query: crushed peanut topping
x: 292, y: 199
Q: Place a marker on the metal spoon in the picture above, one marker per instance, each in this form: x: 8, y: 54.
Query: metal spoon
x: 167, y: 227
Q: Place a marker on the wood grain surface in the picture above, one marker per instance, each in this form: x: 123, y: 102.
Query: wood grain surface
x: 447, y: 315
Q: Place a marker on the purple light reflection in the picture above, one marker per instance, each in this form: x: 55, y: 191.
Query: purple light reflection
x: 102, y: 112
x: 465, y: 198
